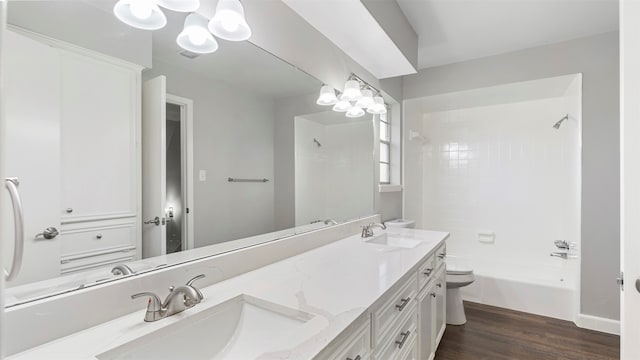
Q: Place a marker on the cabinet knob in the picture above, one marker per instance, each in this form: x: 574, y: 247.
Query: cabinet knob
x: 433, y: 294
x: 69, y: 210
x: 99, y: 236
x: 355, y: 358
x: 439, y: 285
x: 428, y: 271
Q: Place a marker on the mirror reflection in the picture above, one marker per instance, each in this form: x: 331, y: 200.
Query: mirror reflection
x: 143, y: 155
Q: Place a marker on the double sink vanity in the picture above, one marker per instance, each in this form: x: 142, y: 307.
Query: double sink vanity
x: 378, y: 297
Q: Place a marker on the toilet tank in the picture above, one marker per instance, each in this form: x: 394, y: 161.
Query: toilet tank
x: 401, y: 223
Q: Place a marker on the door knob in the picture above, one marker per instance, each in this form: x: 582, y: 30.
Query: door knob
x: 155, y: 220
x: 48, y: 233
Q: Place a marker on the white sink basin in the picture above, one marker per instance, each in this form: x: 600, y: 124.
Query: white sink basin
x: 243, y: 327
x: 393, y: 241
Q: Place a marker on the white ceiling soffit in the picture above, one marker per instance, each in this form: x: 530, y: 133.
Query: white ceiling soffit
x: 451, y: 31
x: 350, y: 26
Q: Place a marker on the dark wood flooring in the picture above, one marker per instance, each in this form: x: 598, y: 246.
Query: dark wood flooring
x: 496, y: 334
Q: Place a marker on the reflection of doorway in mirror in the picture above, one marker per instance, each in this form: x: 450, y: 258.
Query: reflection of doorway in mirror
x: 179, y: 185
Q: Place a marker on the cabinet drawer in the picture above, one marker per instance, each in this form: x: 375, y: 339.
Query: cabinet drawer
x: 397, y: 342
x: 394, y: 308
x: 77, y: 241
x: 97, y: 259
x: 441, y: 255
x: 356, y: 346
x: 426, y: 271
x: 411, y: 352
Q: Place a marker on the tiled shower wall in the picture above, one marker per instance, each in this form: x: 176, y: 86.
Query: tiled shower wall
x: 504, y: 170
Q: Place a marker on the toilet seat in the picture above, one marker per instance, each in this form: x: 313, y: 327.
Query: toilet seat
x: 459, y: 270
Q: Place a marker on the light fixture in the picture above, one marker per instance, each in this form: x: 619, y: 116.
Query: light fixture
x: 228, y: 22
x: 366, y: 100
x: 355, y: 112
x: 141, y: 14
x: 351, y: 91
x: 327, y: 96
x: 179, y: 5
x: 342, y: 106
x: 378, y: 106
x: 196, y: 37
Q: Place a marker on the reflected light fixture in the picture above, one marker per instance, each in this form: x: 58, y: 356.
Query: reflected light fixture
x: 366, y: 100
x: 351, y: 91
x: 378, y: 106
x: 327, y: 96
x: 141, y: 14
x: 195, y: 36
x: 355, y: 112
x: 228, y: 22
x: 342, y: 106
x: 180, y: 5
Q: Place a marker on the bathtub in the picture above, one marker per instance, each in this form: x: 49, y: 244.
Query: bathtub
x: 549, y: 289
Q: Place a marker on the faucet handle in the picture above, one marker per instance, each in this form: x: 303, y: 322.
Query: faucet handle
x: 190, y: 282
x: 154, y: 301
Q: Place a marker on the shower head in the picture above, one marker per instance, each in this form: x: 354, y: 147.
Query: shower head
x: 557, y: 125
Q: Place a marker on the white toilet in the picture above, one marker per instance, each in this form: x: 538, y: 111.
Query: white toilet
x: 400, y: 223
x: 457, y: 277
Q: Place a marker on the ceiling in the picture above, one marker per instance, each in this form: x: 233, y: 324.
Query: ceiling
x: 451, y: 31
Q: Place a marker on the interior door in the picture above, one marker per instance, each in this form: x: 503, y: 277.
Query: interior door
x: 154, y: 102
x: 30, y: 147
x: 630, y: 177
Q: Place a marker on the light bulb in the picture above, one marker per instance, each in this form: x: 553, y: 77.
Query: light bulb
x: 327, y: 96
x: 197, y: 37
x: 351, y: 91
x: 230, y: 22
x: 355, y: 112
x: 141, y: 9
x: 342, y: 106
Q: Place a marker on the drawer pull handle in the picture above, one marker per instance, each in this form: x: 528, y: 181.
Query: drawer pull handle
x: 69, y: 210
x: 428, y: 271
x: 433, y: 294
x: 405, y: 336
x: 99, y: 236
x: 355, y: 358
x: 441, y: 256
x: 439, y: 285
x: 403, y: 303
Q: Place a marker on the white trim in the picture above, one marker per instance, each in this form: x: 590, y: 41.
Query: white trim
x: 186, y: 129
x: 74, y: 48
x: 601, y: 324
x: 389, y: 188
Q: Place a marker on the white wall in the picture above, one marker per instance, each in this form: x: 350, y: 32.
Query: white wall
x: 333, y: 180
x: 597, y: 59
x: 233, y: 137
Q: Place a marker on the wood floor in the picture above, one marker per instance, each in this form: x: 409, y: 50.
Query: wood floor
x: 495, y: 333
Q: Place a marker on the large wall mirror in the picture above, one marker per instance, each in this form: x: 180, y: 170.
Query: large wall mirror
x: 130, y: 155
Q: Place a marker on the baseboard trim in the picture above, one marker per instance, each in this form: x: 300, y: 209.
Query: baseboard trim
x: 601, y: 324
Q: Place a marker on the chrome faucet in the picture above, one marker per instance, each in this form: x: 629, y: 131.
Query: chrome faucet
x: 367, y: 230
x: 179, y: 299
x: 122, y: 269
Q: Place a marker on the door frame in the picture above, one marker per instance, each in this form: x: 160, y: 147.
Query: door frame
x: 186, y: 143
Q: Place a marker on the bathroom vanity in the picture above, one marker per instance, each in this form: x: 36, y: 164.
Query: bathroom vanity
x: 381, y: 297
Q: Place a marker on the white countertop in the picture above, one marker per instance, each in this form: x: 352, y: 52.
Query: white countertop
x: 337, y: 283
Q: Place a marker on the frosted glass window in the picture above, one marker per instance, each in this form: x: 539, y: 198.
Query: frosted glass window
x: 384, y: 153
x: 384, y: 173
x: 385, y: 131
x: 385, y: 148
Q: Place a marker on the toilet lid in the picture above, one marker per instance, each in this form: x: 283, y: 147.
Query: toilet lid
x: 458, y: 270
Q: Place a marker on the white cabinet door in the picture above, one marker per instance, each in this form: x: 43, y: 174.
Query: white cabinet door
x: 98, y: 142
x: 441, y: 304
x: 154, y: 166
x: 426, y: 323
x: 30, y: 143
